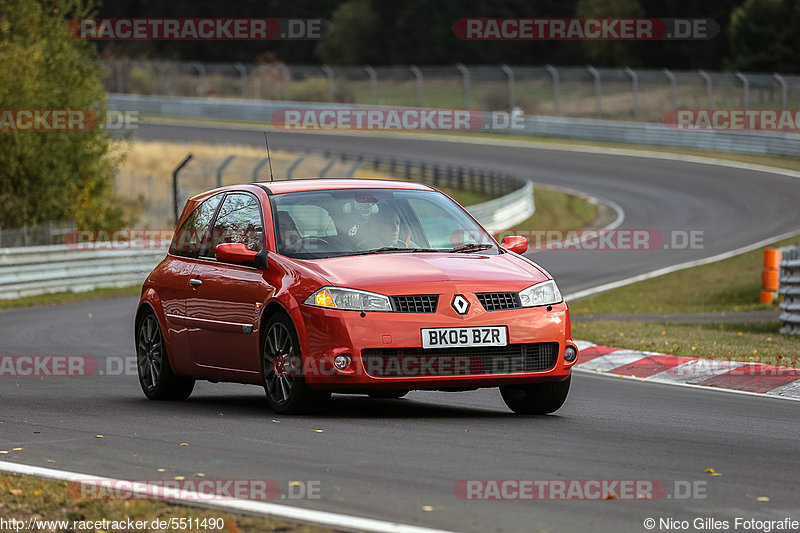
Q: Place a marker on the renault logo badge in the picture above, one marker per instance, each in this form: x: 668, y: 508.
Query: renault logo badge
x: 460, y: 304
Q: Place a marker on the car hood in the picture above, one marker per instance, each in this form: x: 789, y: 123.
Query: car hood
x: 410, y: 273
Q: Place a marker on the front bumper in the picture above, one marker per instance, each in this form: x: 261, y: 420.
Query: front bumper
x: 330, y: 333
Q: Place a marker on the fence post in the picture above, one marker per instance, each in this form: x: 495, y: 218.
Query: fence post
x: 418, y: 75
x: 331, y: 83
x: 221, y: 169
x: 294, y: 166
x: 635, y: 87
x: 287, y: 82
x: 465, y: 83
x: 745, y: 89
x: 202, y: 71
x: 162, y: 78
x: 707, y: 79
x: 243, y: 76
x: 672, y: 96
x: 596, y: 75
x: 512, y: 97
x: 175, y: 186
x: 373, y: 83
x: 261, y: 164
x: 782, y: 82
x: 556, y: 87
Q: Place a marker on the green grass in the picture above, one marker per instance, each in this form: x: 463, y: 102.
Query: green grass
x: 758, y: 342
x: 731, y: 285
x: 67, y: 297
x: 23, y: 498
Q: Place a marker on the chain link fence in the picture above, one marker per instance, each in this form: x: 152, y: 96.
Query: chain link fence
x: 578, y: 92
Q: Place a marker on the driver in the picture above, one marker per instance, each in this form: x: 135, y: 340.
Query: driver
x: 384, y: 229
x: 289, y: 238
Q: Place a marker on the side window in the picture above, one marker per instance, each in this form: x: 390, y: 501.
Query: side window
x: 188, y: 239
x: 239, y: 220
x: 438, y: 226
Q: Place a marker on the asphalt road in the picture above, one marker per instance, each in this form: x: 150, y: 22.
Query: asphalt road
x: 388, y: 459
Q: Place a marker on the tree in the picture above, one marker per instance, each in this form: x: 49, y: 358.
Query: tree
x: 352, y: 42
x: 610, y: 53
x: 764, y: 36
x: 52, y: 175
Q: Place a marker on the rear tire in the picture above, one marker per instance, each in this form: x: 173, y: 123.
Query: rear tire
x: 388, y: 394
x: 281, y: 370
x: 152, y: 362
x: 536, y: 398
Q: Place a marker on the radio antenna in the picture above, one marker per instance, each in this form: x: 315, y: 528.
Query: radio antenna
x: 268, y: 158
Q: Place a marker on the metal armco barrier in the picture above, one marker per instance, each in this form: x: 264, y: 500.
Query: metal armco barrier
x: 790, y: 289
x: 751, y: 142
x: 59, y: 268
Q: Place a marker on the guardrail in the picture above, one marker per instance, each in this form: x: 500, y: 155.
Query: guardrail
x: 751, y: 142
x: 59, y: 268
x: 790, y: 289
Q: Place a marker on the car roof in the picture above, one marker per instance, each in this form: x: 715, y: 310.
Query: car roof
x: 285, y: 186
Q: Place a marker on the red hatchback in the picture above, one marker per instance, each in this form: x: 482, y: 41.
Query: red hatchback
x: 351, y: 286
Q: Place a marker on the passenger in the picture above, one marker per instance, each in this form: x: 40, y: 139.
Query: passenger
x: 289, y: 238
x: 384, y: 229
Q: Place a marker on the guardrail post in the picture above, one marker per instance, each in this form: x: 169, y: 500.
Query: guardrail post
x: 373, y: 84
x: 672, y: 96
x: 782, y: 82
x: 635, y: 87
x: 331, y: 82
x: 150, y: 190
x: 202, y: 71
x: 221, y: 169
x: 596, y: 75
x: 418, y: 75
x: 512, y: 97
x: 556, y: 87
x: 407, y: 173
x: 175, y: 186
x: 745, y: 89
x: 707, y: 79
x: 465, y: 83
x: 118, y: 75
x: 242, y: 76
x: 293, y: 166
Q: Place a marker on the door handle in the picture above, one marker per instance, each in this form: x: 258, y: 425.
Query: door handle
x: 195, y: 282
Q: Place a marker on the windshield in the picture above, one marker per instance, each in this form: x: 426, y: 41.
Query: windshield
x: 319, y: 224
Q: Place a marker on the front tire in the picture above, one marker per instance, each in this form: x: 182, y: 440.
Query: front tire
x: 536, y: 398
x: 281, y: 370
x: 155, y: 374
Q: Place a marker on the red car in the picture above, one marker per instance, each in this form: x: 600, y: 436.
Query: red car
x: 354, y: 286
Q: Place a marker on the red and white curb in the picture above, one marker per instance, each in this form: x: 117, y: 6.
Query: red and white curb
x: 740, y: 376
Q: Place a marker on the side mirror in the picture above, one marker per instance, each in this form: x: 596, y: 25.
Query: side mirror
x: 234, y: 252
x: 515, y: 243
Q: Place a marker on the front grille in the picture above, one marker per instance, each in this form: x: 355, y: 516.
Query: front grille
x: 412, y: 362
x: 498, y: 301
x: 418, y: 303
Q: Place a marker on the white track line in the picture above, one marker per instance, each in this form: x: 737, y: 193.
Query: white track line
x: 325, y: 518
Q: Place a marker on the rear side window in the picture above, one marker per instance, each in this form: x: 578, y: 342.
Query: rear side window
x: 239, y: 220
x: 188, y: 240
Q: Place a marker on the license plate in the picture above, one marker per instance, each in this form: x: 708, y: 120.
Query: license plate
x: 464, y: 337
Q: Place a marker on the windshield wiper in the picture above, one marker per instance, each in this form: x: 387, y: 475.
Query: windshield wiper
x: 392, y: 249
x: 471, y: 247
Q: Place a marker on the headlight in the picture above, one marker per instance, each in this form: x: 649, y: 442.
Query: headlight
x: 544, y: 293
x: 349, y: 299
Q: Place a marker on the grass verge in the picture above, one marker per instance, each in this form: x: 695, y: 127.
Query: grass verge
x: 25, y: 498
x: 730, y: 285
x: 756, y: 342
x: 67, y: 297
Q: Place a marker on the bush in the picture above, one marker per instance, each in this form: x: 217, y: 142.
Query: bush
x: 52, y: 175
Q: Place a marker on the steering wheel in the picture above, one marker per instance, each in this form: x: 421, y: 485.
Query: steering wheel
x: 315, y: 242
